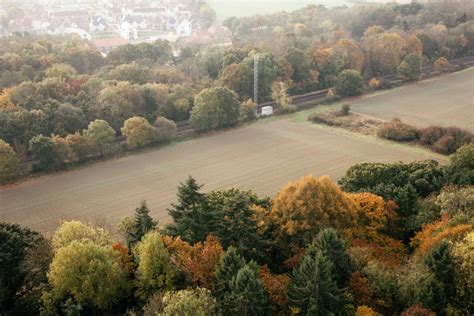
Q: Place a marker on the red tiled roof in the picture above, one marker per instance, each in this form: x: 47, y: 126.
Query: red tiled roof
x: 109, y: 42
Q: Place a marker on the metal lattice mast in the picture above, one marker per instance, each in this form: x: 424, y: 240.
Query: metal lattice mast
x: 255, y: 78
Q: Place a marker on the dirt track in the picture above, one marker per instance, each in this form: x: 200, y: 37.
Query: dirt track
x: 445, y: 101
x: 263, y: 157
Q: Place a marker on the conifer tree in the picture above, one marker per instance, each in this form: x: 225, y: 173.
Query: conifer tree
x: 142, y: 223
x: 193, y: 220
x: 247, y: 294
x: 230, y: 264
x: 441, y: 263
x: 312, y: 289
x: 334, y: 249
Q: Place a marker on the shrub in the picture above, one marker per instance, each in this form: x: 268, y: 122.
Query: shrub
x: 374, y: 83
x: 343, y: 111
x: 248, y: 111
x: 445, y: 140
x: 397, y: 131
x: 441, y: 65
x: 166, y: 129
x: 349, y: 83
x: 320, y: 118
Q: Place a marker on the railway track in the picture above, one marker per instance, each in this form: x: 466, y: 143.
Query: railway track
x: 185, y: 127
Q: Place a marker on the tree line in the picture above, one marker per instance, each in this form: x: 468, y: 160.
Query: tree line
x: 52, y: 88
x: 387, y: 239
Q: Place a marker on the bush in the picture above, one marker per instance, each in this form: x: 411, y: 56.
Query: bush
x: 445, y: 140
x: 349, y: 83
x: 320, y: 118
x: 397, y: 131
x: 248, y: 111
x: 344, y: 111
x: 441, y: 65
x: 42, y: 150
x: 166, y: 129
x: 374, y: 83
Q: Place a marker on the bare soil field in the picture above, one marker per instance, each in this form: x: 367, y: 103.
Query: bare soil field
x: 262, y: 156
x: 445, y: 101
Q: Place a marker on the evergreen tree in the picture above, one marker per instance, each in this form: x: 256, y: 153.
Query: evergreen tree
x: 312, y: 289
x: 230, y: 264
x: 142, y: 223
x: 441, y: 263
x: 334, y: 249
x: 247, y: 294
x: 238, y: 223
x: 193, y: 219
x: 431, y: 294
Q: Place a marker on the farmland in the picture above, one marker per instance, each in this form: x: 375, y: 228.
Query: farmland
x: 262, y: 156
x: 445, y: 101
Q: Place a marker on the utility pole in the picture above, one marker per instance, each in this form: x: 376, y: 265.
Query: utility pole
x: 255, y: 78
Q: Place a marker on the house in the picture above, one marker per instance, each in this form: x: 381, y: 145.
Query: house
x: 185, y: 28
x: 105, y: 45
x: 128, y: 31
x: 81, y: 32
x: 97, y: 24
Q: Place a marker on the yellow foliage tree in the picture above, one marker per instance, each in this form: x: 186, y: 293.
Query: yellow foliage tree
x: 302, y: 208
x: 6, y: 99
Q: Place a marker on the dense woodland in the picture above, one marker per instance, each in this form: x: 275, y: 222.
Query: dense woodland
x: 388, y: 239
x: 62, y: 103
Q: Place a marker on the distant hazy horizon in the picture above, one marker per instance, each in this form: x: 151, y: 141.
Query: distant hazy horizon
x: 239, y: 8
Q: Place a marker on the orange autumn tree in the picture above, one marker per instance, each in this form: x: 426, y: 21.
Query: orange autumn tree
x: 302, y: 208
x: 446, y: 228
x: 373, y: 216
x: 276, y: 286
x: 199, y: 261
x: 125, y: 256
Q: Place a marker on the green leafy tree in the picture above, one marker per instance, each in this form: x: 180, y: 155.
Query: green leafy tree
x: 401, y: 182
x: 312, y: 289
x: 9, y: 163
x: 42, y: 150
x: 349, y: 83
x: 155, y: 271
x: 139, y: 132
x: 334, y: 249
x: 192, y: 219
x: 215, y: 108
x: 247, y: 295
x: 101, y: 133
x: 15, y: 242
x: 411, y: 67
x: 90, y: 273
x: 71, y: 231
x: 461, y: 167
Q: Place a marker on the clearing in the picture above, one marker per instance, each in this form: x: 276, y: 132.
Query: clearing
x: 263, y: 156
x: 445, y: 101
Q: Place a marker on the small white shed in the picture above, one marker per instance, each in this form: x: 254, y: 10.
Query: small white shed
x: 267, y: 110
